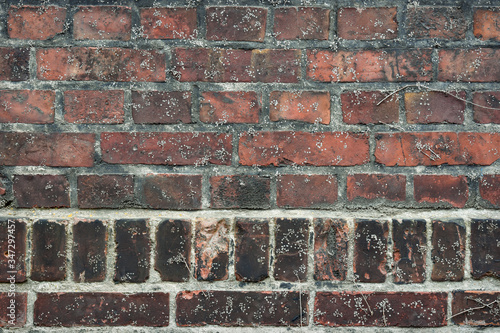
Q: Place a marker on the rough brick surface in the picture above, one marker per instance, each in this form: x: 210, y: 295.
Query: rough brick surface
x: 486, y: 24
x: 441, y: 22
x: 173, y: 250
x: 236, y: 23
x: 441, y: 188
x: 35, y: 22
x: 211, y: 249
x: 434, y: 107
x: 161, y: 107
x: 251, y: 250
x: 106, y: 191
x: 370, y: 247
x: 291, y: 239
x: 470, y: 65
x: 19, y: 316
x: 43, y: 191
x: 14, y: 64
x: 360, y: 107
x: 176, y: 192
x: 485, y: 253
x: 376, y: 186
x: 306, y: 191
x: 448, y: 250
x: 27, y: 106
x: 13, y: 232
x: 367, y: 23
x: 94, y: 107
x: 230, y: 107
x: 487, y: 108
x: 489, y: 189
x: 251, y: 192
x: 48, y: 254
x: 330, y: 249
x: 168, y: 23
x: 301, y: 23
x: 307, y: 106
x: 102, y: 22
x: 475, y: 308
x: 90, y: 239
x: 410, y: 246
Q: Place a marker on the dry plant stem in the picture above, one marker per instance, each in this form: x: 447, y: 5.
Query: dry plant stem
x: 476, y: 308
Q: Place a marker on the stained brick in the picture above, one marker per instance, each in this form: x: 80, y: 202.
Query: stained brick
x: 442, y: 22
x: 370, y: 247
x: 330, y: 249
x: 308, y: 106
x: 173, y: 250
x: 35, y: 22
x: 168, y: 23
x: 475, y: 308
x: 487, y: 24
x: 89, y: 251
x: 102, y: 22
x: 44, y: 191
x: 448, y: 250
x: 489, y: 189
x: 18, y: 317
x: 367, y: 23
x: 14, y: 64
x: 48, y: 256
x: 94, y: 107
x: 106, y: 191
x: 27, y: 106
x: 172, y: 191
x: 485, y: 248
x: 469, y: 65
x: 410, y: 247
x: 434, y: 107
x: 236, y: 23
x: 161, y: 107
x: 306, y: 191
x: 240, y: 191
x: 230, y: 107
x: 251, y: 250
x: 441, y: 188
x: 211, y: 249
x: 376, y: 186
x: 291, y: 239
x: 12, y: 232
x: 360, y: 107
x: 301, y: 23
x: 487, y: 114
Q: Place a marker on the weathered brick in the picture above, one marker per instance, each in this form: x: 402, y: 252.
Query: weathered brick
x: 441, y: 188
x: 410, y: 247
x: 27, y: 106
x: 367, y: 23
x: 442, y: 22
x: 469, y: 65
x: 14, y: 64
x: 49, y: 149
x: 330, y: 249
x: 48, y: 254
x: 3, y: 185
x: 301, y: 23
x: 306, y: 191
x: 475, y: 308
x: 173, y: 250
x: 485, y: 248
x: 448, y: 250
x: 291, y: 239
x: 230, y: 107
x: 172, y: 191
x: 161, y: 107
x: 236, y: 23
x: 301, y: 148
x: 251, y: 250
x: 282, y: 66
x: 403, y: 309
x: 487, y: 24
x: 166, y: 148
x: 211, y: 249
x: 240, y: 191
x: 434, y: 107
x: 44, y: 191
x: 89, y: 251
x: 101, y: 309
x: 106, y: 191
x: 169, y: 23
x: 360, y: 107
x: 13, y: 247
x: 35, y: 22
x: 487, y: 114
x: 489, y: 189
x: 369, y: 65
x: 132, y: 251
x: 100, y: 64
x: 16, y: 315
x: 376, y: 186
x: 102, y: 22
x: 308, y: 106
x: 94, y: 107
x: 247, y: 308
x: 370, y: 247
x: 479, y: 148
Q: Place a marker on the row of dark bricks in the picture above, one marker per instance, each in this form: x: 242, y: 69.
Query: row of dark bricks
x: 231, y: 107
x: 255, y: 259
x: 249, y: 23
x: 185, y: 192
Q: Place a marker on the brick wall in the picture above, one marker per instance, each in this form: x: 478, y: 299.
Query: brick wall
x: 277, y: 163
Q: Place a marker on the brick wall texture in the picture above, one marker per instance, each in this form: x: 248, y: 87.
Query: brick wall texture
x: 272, y: 164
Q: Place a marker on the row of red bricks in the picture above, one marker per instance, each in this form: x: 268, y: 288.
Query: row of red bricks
x: 227, y: 107
x: 184, y: 192
x: 250, y: 23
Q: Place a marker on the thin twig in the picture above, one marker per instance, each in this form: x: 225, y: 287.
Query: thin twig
x: 476, y: 308
x: 300, y: 298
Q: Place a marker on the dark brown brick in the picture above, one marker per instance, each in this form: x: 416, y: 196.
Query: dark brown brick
x: 94, y: 107
x: 230, y: 107
x: 410, y: 250
x: 45, y: 191
x: 475, y: 308
x: 291, y: 239
x: 434, y: 107
x: 469, y: 65
x: 247, y: 308
x: 14, y: 64
x: 489, y: 189
x: 48, y: 257
x: 27, y: 106
x: 360, y: 107
x: 448, y: 250
x: 89, y: 251
x: 35, y: 22
x: 376, y: 186
x: 251, y: 250
x: 240, y: 191
x: 306, y: 191
x: 14, y: 309
x: 132, y: 251
x: 169, y: 23
x: 172, y: 191
x: 330, y: 249
x: 485, y: 248
x: 442, y: 22
x: 12, y: 250
x: 211, y: 249
x: 102, y: 22
x: 441, y: 188
x: 367, y: 23
x: 301, y: 23
x: 173, y: 250
x: 370, y: 251
x: 161, y: 107
x: 106, y: 191
x: 101, y: 309
x: 307, y: 106
x: 486, y: 115
x: 236, y: 23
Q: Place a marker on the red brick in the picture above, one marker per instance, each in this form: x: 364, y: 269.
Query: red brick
x: 301, y: 23
x: 360, y: 107
x: 306, y: 191
x: 102, y: 22
x: 240, y: 191
x: 14, y: 64
x: 101, y: 309
x: 45, y: 191
x: 330, y: 249
x: 475, y: 308
x: 242, y: 308
x: 27, y: 106
x: 35, y: 22
x: 48, y: 254
x: 403, y: 309
x: 434, y: 107
x: 230, y: 107
x: 479, y: 148
x: 100, y: 64
x: 12, y: 232
x: 448, y: 250
x: 376, y: 186
x: 89, y: 251
x: 441, y: 188
x: 291, y: 249
x: 436, y: 22
x: 410, y: 250
x: 50, y: 149
x: 301, y: 148
x: 308, y: 106
x: 251, y: 250
x: 369, y: 65
x: 173, y: 250
x: 489, y: 189
x: 106, y: 191
x: 370, y: 247
x: 172, y: 191
x: 236, y: 23
x: 490, y: 100
x: 485, y: 248
x: 469, y: 65
x: 211, y: 249
x: 169, y: 23
x: 94, y: 107
x: 487, y: 24
x: 20, y: 307
x: 161, y: 107
x: 367, y: 23
x: 197, y: 148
